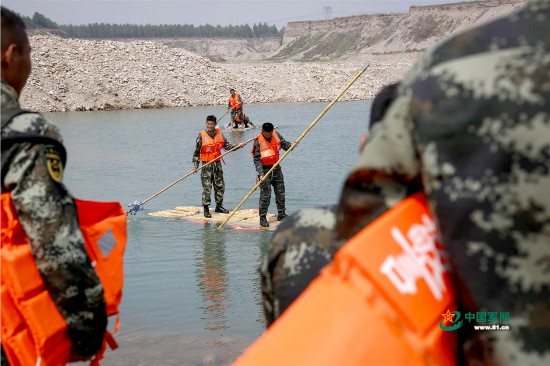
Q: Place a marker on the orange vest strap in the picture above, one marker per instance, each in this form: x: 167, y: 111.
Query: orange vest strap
x: 103, y: 225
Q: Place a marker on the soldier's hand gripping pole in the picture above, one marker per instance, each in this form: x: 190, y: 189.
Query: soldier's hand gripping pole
x: 137, y: 206
x: 266, y: 175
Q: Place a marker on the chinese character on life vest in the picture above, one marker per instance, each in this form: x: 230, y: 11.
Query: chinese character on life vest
x: 422, y: 258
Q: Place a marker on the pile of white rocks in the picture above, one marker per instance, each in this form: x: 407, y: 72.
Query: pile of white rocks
x: 79, y: 75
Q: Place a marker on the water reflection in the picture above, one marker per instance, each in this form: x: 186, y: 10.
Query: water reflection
x: 211, y: 274
x: 235, y: 137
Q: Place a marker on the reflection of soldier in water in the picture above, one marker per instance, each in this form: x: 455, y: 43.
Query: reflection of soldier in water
x: 212, y: 278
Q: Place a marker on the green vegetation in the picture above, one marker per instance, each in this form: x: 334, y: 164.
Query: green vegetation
x: 104, y: 30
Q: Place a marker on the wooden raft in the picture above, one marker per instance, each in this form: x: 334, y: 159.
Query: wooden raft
x: 248, y: 219
x: 240, y: 129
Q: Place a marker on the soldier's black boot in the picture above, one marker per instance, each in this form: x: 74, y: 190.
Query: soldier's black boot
x: 281, y: 216
x: 207, y: 213
x: 220, y: 209
x: 263, y: 221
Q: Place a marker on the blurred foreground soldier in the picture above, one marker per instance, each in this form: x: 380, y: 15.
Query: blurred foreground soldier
x: 382, y: 101
x: 265, y: 153
x: 471, y: 128
x: 33, y: 159
x: 306, y: 241
x: 236, y: 105
x: 209, y: 145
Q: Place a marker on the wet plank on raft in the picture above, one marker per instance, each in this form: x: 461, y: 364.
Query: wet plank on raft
x: 248, y: 219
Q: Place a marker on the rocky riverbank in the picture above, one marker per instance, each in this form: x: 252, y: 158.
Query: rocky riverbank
x: 79, y: 75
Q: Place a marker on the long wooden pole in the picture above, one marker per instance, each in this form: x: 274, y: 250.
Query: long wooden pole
x: 294, y: 144
x: 224, y: 115
x: 193, y: 172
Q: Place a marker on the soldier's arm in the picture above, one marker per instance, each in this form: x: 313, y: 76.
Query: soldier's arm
x: 47, y: 213
x: 257, y: 157
x: 284, y: 143
x: 388, y: 170
x: 228, y: 146
x: 288, y: 269
x: 197, y: 152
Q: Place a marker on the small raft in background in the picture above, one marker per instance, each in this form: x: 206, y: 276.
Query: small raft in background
x: 248, y: 219
x: 240, y: 129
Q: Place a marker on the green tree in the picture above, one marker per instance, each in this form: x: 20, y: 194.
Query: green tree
x: 40, y: 21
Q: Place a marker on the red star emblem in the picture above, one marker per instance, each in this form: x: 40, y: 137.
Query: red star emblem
x: 448, y: 317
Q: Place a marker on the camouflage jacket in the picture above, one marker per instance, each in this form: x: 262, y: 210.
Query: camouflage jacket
x: 301, y: 246
x: 198, y: 146
x: 471, y: 128
x: 256, y: 156
x: 47, y: 213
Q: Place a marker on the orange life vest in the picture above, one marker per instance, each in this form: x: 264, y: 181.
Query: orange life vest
x: 238, y: 119
x: 33, y: 330
x: 211, y: 147
x: 269, y: 151
x: 380, y: 302
x: 234, y: 102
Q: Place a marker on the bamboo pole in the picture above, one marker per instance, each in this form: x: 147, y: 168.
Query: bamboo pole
x: 294, y: 145
x: 228, y: 109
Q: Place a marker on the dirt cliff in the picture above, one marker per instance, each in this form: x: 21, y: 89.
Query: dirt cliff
x: 354, y: 37
x: 420, y: 28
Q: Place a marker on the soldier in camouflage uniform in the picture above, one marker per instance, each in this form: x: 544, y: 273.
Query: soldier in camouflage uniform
x: 471, y: 128
x: 32, y: 170
x: 276, y: 178
x: 306, y: 241
x: 213, y: 173
x: 235, y: 104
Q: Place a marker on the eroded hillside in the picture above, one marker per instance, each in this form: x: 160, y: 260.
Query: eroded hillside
x: 416, y: 30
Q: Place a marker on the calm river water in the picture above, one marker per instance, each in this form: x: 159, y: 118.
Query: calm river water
x: 191, y: 293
